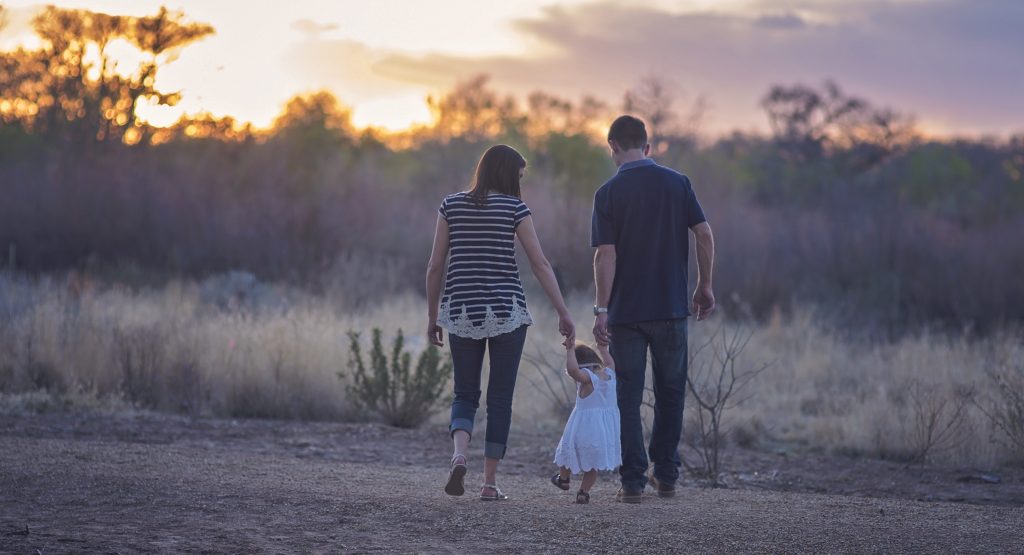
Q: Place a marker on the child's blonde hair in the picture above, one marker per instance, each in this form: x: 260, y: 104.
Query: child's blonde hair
x: 586, y: 355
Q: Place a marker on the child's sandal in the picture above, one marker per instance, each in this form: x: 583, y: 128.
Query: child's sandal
x: 582, y: 498
x: 498, y: 495
x: 456, y: 477
x: 559, y: 483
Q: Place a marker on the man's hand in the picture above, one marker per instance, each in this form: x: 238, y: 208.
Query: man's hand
x: 703, y: 302
x: 601, y: 333
x: 435, y: 334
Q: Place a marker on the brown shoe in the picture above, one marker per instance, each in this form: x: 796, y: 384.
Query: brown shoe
x: 626, y: 496
x: 663, y: 489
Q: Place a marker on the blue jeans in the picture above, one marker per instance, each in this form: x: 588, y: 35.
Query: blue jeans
x: 468, y: 360
x: 667, y: 342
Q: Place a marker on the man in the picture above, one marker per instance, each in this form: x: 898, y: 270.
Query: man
x: 640, y: 223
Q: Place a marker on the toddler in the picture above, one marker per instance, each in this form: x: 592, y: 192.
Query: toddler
x: 590, y: 441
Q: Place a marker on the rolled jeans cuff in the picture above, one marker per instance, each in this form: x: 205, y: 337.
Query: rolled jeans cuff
x: 494, y: 450
x: 463, y: 424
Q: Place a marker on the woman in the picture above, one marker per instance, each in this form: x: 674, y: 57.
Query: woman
x: 483, y: 305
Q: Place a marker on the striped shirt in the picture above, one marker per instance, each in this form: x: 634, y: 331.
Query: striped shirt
x: 483, y: 296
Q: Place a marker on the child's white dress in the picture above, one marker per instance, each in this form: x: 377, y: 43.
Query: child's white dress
x: 591, y: 437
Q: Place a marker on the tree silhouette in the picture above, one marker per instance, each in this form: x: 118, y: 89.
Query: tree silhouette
x: 809, y: 123
x: 654, y: 99
x: 72, y: 90
x: 474, y: 112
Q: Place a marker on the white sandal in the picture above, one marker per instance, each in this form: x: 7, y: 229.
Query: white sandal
x: 498, y: 495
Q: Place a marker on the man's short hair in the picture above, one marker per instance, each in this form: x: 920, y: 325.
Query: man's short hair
x: 628, y: 132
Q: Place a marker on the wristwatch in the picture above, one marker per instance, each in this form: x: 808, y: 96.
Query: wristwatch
x: 600, y: 310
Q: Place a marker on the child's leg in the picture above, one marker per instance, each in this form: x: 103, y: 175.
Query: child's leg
x: 589, y: 479
x: 564, y: 473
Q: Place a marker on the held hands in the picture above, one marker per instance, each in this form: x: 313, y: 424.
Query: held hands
x: 435, y: 335
x: 567, y: 328
x: 601, y: 333
x: 703, y: 302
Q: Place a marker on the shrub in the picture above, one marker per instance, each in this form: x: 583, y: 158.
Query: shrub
x: 551, y: 385
x: 938, y: 419
x: 715, y: 382
x: 389, y: 389
x: 1005, y: 408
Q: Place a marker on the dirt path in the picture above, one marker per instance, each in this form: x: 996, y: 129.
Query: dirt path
x: 134, y: 484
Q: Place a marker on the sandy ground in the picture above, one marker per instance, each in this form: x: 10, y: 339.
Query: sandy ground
x: 73, y: 483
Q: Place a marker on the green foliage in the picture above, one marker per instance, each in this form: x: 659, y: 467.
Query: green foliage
x: 389, y: 388
x: 576, y: 162
x: 937, y: 173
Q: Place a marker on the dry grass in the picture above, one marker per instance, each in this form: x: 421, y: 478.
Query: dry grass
x: 232, y: 347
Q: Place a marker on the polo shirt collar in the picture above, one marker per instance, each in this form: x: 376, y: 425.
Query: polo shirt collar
x: 636, y: 164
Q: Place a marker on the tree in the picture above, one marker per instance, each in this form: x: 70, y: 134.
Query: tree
x: 205, y: 125
x: 810, y: 124
x: 72, y: 89
x: 474, y: 112
x: 654, y: 100
x: 314, y: 122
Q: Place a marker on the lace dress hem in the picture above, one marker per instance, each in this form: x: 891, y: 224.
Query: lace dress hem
x: 491, y: 325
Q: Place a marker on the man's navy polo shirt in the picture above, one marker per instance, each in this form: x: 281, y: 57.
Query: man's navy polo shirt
x: 646, y: 211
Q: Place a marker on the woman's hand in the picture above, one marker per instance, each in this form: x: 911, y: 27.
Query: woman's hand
x: 435, y: 334
x: 567, y: 328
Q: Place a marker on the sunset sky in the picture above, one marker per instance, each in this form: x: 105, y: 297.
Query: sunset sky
x: 957, y: 65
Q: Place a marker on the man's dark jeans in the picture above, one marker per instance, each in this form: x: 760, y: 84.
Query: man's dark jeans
x: 667, y: 342
x: 468, y: 360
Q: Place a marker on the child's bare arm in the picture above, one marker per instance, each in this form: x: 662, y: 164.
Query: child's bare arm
x: 606, y: 356
x: 572, y: 367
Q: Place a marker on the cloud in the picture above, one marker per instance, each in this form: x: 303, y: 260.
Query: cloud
x: 780, y: 21
x: 953, y: 63
x: 312, y: 28
x: 347, y: 67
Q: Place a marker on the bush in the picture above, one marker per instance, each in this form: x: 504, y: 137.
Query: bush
x: 715, y: 381
x: 1005, y: 408
x: 401, y: 398
x: 938, y: 419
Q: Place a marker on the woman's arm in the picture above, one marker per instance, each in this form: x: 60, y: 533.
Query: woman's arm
x: 572, y: 367
x: 435, y: 272
x: 545, y: 275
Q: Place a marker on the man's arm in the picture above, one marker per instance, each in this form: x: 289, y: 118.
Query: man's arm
x: 604, y: 276
x: 703, y: 296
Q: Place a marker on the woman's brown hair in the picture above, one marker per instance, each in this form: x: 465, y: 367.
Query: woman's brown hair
x: 497, y: 172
